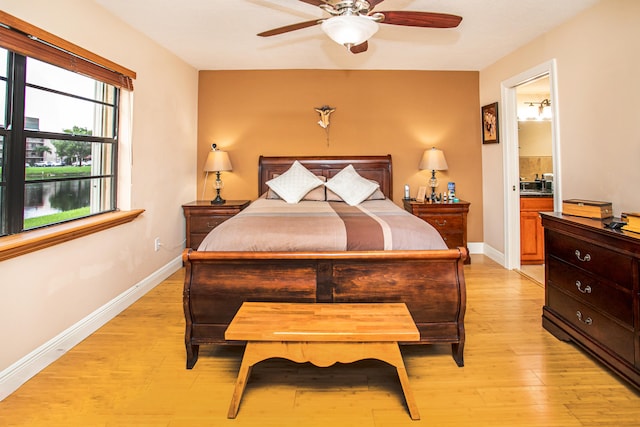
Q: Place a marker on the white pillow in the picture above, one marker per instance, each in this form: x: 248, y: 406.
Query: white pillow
x: 318, y: 194
x: 294, y: 183
x: 333, y: 197
x: 352, y: 187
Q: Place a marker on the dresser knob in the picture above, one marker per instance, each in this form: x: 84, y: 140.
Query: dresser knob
x: 586, y: 290
x: 587, y: 321
x: 586, y: 258
x: 441, y: 223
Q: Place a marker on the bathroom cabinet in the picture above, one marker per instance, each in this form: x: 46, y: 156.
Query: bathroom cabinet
x: 531, y: 232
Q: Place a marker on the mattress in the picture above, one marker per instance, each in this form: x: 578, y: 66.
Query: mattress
x: 274, y: 225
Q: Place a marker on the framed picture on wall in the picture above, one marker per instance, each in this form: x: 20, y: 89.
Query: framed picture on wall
x: 490, y: 127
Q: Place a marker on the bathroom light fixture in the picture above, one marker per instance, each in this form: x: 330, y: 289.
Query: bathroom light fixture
x: 538, y: 110
x: 544, y: 110
x: 350, y: 30
x: 433, y: 160
x: 217, y: 161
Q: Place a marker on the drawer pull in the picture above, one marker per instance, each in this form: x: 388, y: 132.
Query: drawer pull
x: 214, y: 225
x: 587, y: 321
x: 441, y: 224
x: 586, y: 290
x: 586, y: 258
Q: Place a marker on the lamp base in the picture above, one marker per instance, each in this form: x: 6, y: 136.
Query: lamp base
x: 218, y: 185
x: 218, y: 200
x: 433, y: 183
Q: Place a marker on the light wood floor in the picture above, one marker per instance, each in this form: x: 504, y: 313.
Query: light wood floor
x: 535, y: 272
x: 132, y: 373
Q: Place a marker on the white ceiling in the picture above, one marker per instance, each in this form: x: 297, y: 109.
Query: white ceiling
x: 221, y: 34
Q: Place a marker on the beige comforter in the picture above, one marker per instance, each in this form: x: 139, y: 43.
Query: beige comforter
x: 274, y: 225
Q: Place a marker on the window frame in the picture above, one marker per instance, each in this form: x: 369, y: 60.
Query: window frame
x: 15, y: 148
x: 30, y: 41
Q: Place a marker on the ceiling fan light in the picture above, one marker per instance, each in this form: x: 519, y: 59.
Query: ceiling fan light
x: 349, y: 30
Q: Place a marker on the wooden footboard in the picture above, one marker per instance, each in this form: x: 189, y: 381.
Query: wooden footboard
x: 431, y: 283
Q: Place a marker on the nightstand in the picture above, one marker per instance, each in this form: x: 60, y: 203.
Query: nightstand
x: 450, y: 219
x: 202, y: 217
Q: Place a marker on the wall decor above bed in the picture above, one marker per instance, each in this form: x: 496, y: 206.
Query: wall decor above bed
x: 325, y: 111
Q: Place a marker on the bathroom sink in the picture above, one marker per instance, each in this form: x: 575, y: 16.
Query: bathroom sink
x: 536, y: 188
x: 537, y: 192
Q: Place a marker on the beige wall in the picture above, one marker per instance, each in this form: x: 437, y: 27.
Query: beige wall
x: 598, y: 86
x: 43, y: 293
x: 402, y: 113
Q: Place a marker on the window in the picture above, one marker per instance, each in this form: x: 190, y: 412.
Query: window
x: 58, y: 129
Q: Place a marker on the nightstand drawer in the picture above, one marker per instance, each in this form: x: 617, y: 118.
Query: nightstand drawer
x: 204, y: 224
x: 444, y: 223
x: 591, y: 290
x: 594, y: 324
x: 453, y: 240
x: 195, y: 239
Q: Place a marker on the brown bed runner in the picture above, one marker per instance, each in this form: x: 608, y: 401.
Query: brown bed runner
x: 363, y: 232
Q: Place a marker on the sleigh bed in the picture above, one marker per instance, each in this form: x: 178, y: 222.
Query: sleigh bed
x: 430, y: 281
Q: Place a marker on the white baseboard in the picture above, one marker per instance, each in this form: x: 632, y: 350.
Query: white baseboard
x: 494, y: 254
x: 21, y: 371
x: 476, y: 247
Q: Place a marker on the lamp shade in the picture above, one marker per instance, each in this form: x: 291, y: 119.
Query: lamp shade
x: 217, y: 161
x: 433, y: 160
x: 349, y: 30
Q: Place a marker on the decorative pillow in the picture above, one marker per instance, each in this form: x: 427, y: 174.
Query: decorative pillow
x: 294, y: 183
x: 315, y: 195
x: 351, y: 187
x: 377, y: 195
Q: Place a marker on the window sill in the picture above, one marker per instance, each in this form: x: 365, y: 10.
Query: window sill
x: 31, y: 241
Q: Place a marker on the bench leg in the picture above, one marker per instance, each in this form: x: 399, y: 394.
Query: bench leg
x: 252, y: 354
x: 241, y: 383
x: 393, y: 357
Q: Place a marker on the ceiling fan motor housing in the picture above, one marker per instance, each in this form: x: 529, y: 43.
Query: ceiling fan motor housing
x: 347, y: 7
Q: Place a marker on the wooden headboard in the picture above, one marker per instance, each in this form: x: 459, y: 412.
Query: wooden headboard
x: 377, y: 168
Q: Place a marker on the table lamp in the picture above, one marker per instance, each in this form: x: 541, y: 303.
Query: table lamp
x: 217, y: 161
x: 433, y: 160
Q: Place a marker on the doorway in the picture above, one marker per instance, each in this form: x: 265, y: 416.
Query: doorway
x: 511, y: 153
x: 535, y: 171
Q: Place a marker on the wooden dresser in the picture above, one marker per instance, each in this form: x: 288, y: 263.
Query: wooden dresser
x: 202, y: 216
x: 450, y: 219
x: 592, y: 290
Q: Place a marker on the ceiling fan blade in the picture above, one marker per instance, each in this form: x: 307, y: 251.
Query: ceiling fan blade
x: 314, y: 2
x: 362, y: 47
x: 374, y: 3
x: 292, y: 27
x: 421, y: 19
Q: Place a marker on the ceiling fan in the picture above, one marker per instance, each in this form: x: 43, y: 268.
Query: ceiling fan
x: 353, y: 22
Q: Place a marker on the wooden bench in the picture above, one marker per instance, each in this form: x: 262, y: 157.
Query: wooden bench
x: 322, y: 334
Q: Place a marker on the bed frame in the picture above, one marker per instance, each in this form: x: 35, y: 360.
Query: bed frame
x: 430, y: 282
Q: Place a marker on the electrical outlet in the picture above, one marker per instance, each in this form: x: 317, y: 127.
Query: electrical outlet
x: 157, y: 244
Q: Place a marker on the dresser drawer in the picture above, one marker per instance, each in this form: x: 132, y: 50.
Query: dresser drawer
x: 593, y: 258
x: 614, y: 300
x: 606, y: 332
